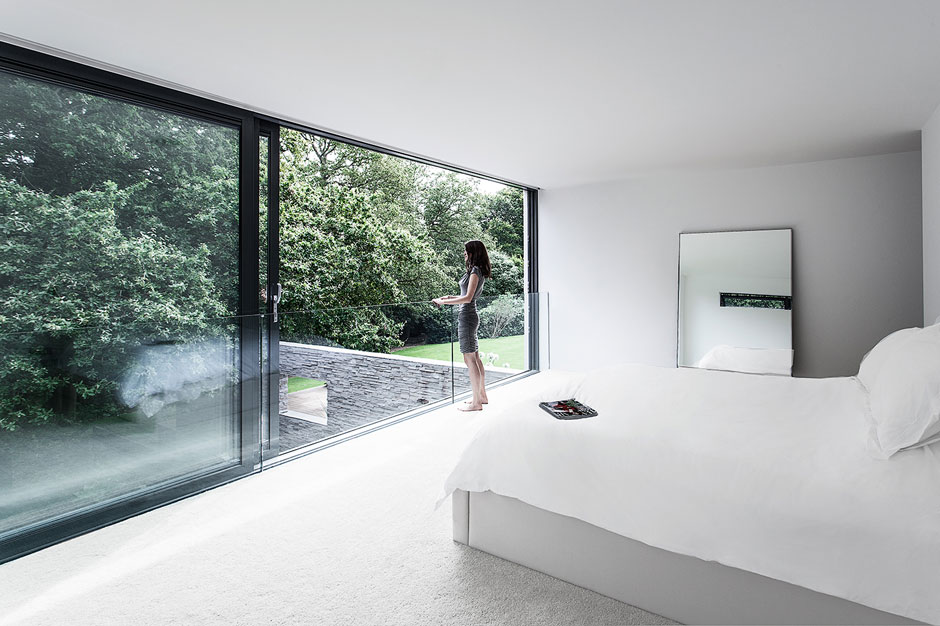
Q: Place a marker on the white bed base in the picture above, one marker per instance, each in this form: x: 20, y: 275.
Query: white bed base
x: 682, y: 588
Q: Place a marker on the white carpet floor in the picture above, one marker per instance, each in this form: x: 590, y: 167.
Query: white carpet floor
x: 348, y: 535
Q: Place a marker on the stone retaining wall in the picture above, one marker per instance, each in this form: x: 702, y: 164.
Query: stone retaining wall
x: 371, y: 385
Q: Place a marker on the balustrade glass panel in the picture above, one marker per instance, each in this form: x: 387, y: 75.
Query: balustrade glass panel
x: 500, y: 337
x: 345, y: 368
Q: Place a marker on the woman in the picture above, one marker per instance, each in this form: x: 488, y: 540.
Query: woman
x: 471, y: 284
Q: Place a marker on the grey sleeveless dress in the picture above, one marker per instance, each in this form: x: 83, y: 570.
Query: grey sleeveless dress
x: 467, y: 319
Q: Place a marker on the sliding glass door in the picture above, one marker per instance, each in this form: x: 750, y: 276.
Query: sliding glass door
x: 122, y: 327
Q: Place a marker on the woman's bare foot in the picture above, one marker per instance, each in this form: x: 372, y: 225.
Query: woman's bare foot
x: 470, y: 407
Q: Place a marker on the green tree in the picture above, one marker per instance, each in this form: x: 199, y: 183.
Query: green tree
x: 502, y: 220
x: 506, y: 275
x: 449, y: 215
x: 503, y: 316
x: 391, y: 182
x: 120, y: 225
x: 339, y: 260
x: 181, y: 173
x: 78, y: 295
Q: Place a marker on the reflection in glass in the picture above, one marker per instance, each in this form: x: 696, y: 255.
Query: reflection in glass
x: 137, y: 410
x: 735, y: 297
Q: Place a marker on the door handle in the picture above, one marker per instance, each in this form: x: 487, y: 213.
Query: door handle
x: 276, y: 300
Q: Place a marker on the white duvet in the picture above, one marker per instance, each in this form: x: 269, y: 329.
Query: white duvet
x: 765, y: 473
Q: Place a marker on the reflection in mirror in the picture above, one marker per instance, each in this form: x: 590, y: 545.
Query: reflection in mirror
x: 735, y: 301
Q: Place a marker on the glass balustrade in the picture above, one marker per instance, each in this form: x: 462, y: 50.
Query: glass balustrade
x: 342, y: 369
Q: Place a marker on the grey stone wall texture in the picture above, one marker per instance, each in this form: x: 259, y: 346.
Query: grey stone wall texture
x: 372, y: 385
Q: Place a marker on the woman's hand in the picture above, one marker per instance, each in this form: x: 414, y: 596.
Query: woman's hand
x: 437, y: 302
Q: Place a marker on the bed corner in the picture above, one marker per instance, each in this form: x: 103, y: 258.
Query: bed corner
x: 461, y: 515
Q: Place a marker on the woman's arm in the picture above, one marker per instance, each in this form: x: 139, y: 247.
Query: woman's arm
x: 471, y: 289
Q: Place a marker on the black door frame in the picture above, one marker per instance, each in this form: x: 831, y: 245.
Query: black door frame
x: 271, y: 370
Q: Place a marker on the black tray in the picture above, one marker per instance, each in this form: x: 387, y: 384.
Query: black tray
x: 569, y: 409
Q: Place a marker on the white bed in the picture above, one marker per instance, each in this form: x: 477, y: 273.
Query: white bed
x: 764, y: 474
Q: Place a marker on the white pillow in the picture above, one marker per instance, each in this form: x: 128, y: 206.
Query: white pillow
x: 902, y: 377
x: 875, y: 360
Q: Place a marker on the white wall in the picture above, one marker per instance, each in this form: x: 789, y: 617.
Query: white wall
x: 608, y: 256
x: 930, y: 146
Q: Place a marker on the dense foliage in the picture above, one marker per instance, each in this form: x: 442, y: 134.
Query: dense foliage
x: 503, y: 316
x: 119, y: 227
x: 361, y: 229
x: 80, y: 295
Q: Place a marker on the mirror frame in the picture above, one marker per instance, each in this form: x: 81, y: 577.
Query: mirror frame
x: 790, y: 229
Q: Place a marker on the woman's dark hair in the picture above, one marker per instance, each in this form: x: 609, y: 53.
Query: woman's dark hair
x: 477, y: 256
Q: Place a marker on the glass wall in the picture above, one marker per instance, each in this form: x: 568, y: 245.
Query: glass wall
x: 119, y: 291
x: 145, y: 236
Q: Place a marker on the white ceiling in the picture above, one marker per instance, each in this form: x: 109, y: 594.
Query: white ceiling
x: 546, y: 93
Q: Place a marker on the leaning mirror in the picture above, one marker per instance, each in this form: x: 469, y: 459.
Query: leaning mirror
x: 735, y: 301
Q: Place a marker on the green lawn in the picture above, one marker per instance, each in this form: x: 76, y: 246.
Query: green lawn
x: 296, y: 383
x: 511, y: 351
